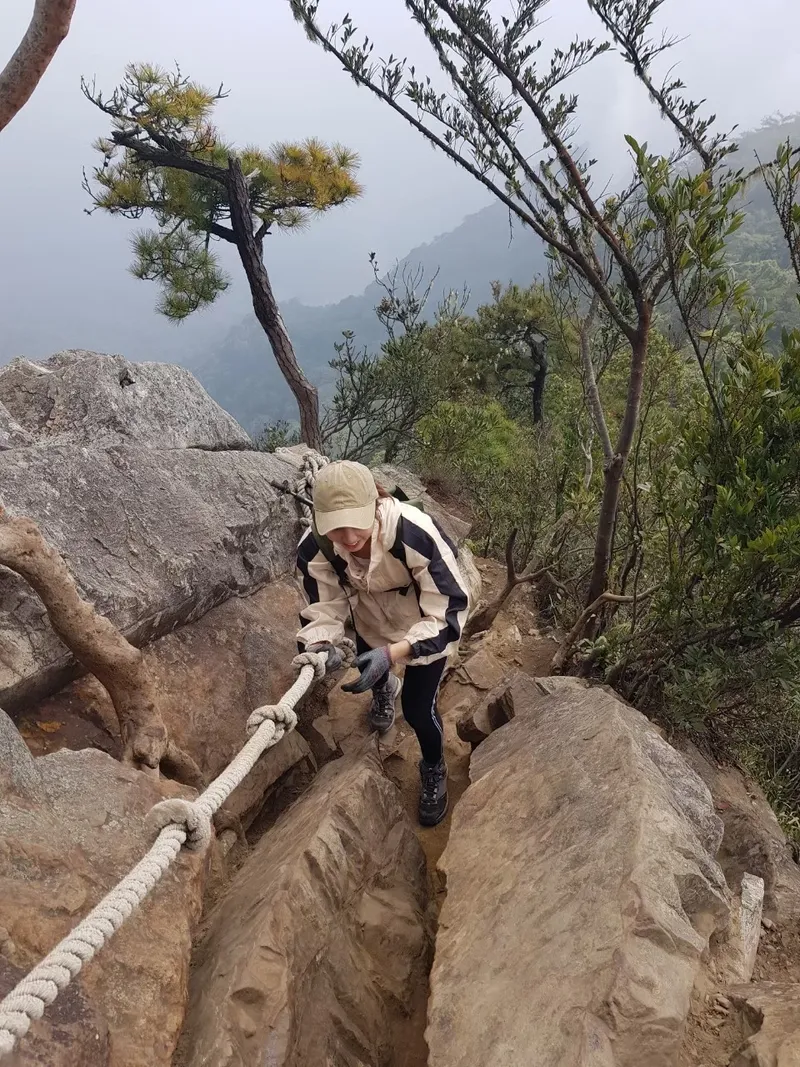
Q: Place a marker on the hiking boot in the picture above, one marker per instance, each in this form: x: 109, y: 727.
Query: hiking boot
x: 381, y: 712
x: 433, y: 798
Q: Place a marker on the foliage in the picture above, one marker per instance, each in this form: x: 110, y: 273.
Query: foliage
x: 621, y: 252
x: 276, y: 435
x: 164, y: 156
x: 379, y: 398
x: 782, y: 179
x: 709, y: 515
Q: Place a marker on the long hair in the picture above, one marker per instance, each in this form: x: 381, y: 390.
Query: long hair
x: 383, y: 492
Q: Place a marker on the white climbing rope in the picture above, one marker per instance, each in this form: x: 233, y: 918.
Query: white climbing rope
x: 312, y: 464
x: 179, y: 822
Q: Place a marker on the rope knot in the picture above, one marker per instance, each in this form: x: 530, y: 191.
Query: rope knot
x: 316, y: 660
x: 280, y: 714
x: 348, y: 650
x: 185, y: 813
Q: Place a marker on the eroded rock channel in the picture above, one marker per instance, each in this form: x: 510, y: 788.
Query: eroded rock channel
x: 593, y: 899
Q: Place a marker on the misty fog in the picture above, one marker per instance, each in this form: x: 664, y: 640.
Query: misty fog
x: 65, y: 280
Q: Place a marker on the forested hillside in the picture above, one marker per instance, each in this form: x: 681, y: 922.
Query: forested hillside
x: 241, y: 375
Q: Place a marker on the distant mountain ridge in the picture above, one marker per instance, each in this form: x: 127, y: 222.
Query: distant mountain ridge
x: 241, y: 373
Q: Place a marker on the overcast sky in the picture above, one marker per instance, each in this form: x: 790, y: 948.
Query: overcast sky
x: 63, y: 280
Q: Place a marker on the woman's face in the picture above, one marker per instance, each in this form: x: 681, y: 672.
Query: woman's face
x: 350, y: 540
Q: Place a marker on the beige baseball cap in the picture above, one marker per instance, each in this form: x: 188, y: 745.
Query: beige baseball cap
x: 344, y: 495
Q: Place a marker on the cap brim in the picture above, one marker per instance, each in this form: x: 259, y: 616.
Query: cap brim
x: 354, y: 518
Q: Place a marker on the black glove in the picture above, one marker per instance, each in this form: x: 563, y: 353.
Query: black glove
x: 373, y: 665
x: 334, y: 661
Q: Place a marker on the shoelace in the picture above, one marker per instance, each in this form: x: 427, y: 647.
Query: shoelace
x: 384, y: 700
x: 430, y: 783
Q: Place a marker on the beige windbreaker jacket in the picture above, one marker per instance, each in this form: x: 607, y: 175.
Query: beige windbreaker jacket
x: 411, y: 590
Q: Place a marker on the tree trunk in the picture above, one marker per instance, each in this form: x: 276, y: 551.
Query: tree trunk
x: 606, y: 521
x: 537, y: 390
x: 92, y: 638
x: 266, y: 307
x: 483, y: 619
x: 613, y: 472
x: 100, y: 647
x: 538, y: 350
x: 23, y: 72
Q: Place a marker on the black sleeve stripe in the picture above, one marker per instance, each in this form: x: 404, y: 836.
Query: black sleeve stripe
x: 450, y: 544
x: 307, y: 551
x: 418, y: 539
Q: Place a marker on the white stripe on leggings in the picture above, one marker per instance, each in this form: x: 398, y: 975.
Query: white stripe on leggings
x: 436, y: 722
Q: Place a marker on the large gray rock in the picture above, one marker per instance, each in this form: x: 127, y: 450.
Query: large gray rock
x: 315, y: 954
x: 753, y: 842
x: 582, y: 890
x: 87, y: 398
x: 153, y: 538
x: 12, y: 434
x: 209, y: 675
x: 63, y: 845
x: 19, y: 774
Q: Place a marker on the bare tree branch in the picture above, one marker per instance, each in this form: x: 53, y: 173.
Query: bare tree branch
x: 564, y: 650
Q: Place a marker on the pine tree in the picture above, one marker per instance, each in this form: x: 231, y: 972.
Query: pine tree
x: 165, y: 158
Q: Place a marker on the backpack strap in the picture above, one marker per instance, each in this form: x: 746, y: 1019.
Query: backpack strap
x: 325, y: 545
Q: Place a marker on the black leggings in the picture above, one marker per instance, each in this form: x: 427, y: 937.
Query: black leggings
x: 419, y: 702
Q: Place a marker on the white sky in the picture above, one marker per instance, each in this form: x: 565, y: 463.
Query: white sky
x: 63, y: 275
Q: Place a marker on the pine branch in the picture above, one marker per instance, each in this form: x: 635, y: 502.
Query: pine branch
x: 161, y: 157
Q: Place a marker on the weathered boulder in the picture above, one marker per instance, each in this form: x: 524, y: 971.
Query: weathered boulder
x: 12, y: 434
x: 71, y: 1032
x: 209, y: 676
x: 87, y: 398
x: 735, y: 958
x: 71, y: 825
x: 477, y: 721
x: 154, y: 538
x: 770, y: 1015
x: 391, y: 477
x: 315, y: 954
x: 582, y: 890
x: 753, y: 841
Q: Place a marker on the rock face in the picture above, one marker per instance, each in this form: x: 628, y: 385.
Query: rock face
x: 154, y: 539
x: 753, y: 841
x: 582, y: 889
x: 209, y: 676
x: 771, y: 1020
x: 11, y: 433
x: 87, y: 398
x: 129, y: 483
x: 314, y: 956
x: 71, y: 824
x: 72, y: 1032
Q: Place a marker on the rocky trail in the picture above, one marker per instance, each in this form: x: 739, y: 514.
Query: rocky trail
x: 593, y: 898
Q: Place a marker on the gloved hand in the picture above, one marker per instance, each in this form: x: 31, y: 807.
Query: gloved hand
x: 373, y: 666
x: 334, y: 661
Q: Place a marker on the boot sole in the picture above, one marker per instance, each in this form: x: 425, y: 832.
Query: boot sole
x: 430, y: 823
x: 381, y: 729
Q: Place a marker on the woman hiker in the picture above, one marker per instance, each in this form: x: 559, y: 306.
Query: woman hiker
x: 385, y: 567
